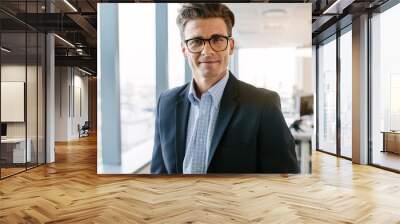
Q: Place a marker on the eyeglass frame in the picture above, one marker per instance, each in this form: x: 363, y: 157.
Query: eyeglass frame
x: 208, y: 40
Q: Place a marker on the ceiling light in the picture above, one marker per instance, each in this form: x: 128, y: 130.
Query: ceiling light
x: 337, y: 7
x: 5, y: 50
x: 84, y: 71
x: 64, y: 40
x: 329, y: 9
x: 70, y: 5
x: 274, y: 12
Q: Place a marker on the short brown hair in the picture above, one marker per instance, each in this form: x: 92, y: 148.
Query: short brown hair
x: 190, y: 11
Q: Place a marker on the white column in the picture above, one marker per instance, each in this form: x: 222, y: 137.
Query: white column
x: 360, y: 90
x: 108, y: 107
x: 162, y: 48
x: 50, y: 99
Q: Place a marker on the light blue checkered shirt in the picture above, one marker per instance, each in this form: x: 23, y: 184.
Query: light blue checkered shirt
x: 196, y: 160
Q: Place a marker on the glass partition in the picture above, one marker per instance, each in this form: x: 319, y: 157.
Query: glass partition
x: 14, y: 153
x: 23, y: 91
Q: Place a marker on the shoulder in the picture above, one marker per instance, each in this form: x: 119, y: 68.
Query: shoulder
x: 172, y: 95
x: 248, y: 92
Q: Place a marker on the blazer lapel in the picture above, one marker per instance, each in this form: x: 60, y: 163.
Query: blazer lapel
x: 182, y: 109
x: 226, y: 110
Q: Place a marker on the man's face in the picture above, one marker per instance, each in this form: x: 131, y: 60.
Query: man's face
x: 207, y: 63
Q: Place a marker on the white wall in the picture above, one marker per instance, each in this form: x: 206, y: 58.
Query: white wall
x: 33, y: 125
x: 12, y: 73
x: 61, y: 103
x: 70, y: 83
x: 79, y: 117
x: 307, y: 82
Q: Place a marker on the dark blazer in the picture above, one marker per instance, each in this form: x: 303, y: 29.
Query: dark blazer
x: 251, y: 135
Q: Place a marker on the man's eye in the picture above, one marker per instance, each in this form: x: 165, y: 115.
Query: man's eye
x: 196, y: 42
x: 218, y: 39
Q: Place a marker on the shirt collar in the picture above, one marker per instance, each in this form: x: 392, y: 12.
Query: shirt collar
x: 216, y: 91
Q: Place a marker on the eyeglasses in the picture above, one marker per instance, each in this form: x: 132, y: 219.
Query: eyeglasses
x: 217, y: 43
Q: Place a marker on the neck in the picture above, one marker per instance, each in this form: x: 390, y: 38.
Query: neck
x: 202, y: 84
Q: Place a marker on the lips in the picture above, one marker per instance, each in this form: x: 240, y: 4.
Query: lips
x: 209, y: 62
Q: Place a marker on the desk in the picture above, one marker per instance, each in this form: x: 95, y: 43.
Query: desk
x: 15, y: 148
x: 391, y: 141
x: 303, y: 150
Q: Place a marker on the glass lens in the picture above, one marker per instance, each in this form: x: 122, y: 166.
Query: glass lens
x: 218, y: 43
x: 195, y: 45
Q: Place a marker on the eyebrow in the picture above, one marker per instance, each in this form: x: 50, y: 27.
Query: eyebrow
x: 200, y: 37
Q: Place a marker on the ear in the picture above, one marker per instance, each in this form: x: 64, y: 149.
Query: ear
x: 183, y: 48
x: 231, y: 45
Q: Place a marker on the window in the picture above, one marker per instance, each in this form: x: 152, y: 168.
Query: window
x: 327, y: 96
x: 137, y: 82
x: 274, y: 69
x: 346, y: 94
x: 176, y: 60
x: 385, y: 88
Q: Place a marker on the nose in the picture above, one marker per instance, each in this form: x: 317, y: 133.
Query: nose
x: 207, y: 50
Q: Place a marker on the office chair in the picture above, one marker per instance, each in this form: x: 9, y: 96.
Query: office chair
x: 84, y: 130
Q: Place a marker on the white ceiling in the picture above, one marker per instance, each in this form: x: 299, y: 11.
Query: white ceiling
x: 265, y: 25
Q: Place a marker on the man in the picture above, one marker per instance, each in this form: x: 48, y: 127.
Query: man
x: 216, y: 123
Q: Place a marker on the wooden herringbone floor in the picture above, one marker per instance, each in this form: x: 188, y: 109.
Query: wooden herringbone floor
x: 70, y: 191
